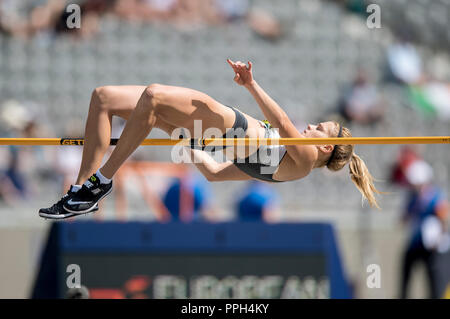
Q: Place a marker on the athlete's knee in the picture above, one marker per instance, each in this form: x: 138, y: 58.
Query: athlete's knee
x: 100, y: 97
x: 154, y: 93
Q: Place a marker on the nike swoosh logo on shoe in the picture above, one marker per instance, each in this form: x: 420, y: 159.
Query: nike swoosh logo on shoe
x: 89, y: 209
x: 70, y: 202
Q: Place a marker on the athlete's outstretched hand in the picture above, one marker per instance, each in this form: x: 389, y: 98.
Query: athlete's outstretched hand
x: 243, y: 72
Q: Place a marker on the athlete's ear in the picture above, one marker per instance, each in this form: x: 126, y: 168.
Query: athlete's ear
x: 326, y: 148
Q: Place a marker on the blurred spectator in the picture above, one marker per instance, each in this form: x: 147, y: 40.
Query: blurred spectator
x: 260, y: 21
x: 44, y: 16
x: 198, y: 199
x: 18, y: 163
x: 12, y: 181
x: 426, y: 212
x: 29, y: 18
x: 13, y: 118
x: 146, y: 10
x: 196, y: 13
x: 232, y: 10
x: 259, y: 202
x: 50, y: 16
x: 432, y: 98
x: 11, y: 20
x: 182, y: 13
x: 264, y: 24
x: 361, y: 102
x: 405, y: 158
x: 404, y: 63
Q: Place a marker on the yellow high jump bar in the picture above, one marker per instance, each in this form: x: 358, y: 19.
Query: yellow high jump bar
x: 243, y: 141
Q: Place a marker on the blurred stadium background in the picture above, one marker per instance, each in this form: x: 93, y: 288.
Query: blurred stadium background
x: 310, y: 56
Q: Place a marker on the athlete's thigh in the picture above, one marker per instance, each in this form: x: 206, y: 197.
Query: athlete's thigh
x: 181, y: 106
x: 121, y: 100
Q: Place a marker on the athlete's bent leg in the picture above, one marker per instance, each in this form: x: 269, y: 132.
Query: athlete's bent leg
x: 99, y: 185
x: 136, y: 130
x: 105, y: 102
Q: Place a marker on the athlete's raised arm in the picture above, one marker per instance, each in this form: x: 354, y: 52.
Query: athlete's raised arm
x: 301, y: 154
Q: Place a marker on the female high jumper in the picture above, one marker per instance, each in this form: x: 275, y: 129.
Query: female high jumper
x: 169, y: 108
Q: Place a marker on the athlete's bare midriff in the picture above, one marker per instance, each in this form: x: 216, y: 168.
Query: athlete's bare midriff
x: 287, y: 168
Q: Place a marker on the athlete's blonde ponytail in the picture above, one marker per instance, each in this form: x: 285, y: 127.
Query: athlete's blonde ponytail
x: 359, y: 173
x: 363, y: 179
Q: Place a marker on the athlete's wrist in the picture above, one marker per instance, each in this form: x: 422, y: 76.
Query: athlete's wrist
x: 251, y: 84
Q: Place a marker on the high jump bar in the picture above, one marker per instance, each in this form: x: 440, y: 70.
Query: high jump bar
x: 243, y: 141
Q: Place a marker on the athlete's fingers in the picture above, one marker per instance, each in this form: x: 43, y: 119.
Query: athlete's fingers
x: 232, y: 64
x: 249, y: 66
